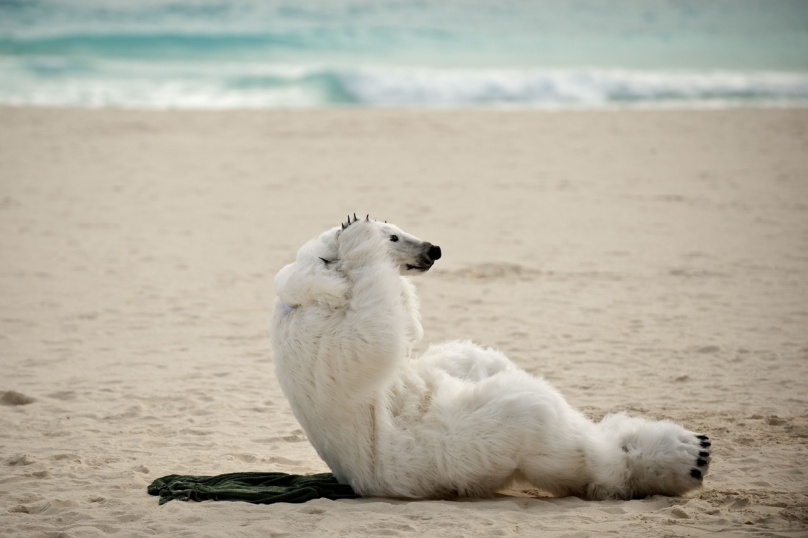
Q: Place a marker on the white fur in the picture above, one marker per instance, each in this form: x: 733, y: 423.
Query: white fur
x: 459, y: 420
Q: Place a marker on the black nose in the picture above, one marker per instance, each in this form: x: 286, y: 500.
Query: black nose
x: 434, y: 252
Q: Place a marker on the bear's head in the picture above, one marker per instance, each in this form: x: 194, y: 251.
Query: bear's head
x: 311, y: 277
x: 411, y: 254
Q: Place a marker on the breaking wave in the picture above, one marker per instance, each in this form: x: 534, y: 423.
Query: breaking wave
x: 80, y: 82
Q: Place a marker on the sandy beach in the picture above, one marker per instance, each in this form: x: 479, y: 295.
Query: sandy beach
x: 654, y: 262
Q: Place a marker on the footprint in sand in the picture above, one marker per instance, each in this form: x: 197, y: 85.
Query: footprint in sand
x: 15, y: 398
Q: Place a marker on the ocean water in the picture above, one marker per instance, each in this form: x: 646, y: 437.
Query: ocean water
x: 416, y: 53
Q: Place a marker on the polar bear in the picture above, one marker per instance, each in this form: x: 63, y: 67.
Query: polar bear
x: 459, y: 420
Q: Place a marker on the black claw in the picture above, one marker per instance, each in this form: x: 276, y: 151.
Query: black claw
x: 702, y: 437
x: 701, y: 462
x: 704, y: 454
x: 705, y: 444
x: 695, y: 473
x: 367, y: 217
x: 354, y: 217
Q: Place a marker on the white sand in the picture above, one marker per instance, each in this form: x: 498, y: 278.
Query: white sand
x: 655, y: 262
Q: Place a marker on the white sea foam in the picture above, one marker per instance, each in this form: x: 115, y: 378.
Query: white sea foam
x: 585, y: 88
x: 58, y: 82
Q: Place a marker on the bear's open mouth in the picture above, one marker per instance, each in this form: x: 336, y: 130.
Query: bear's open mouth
x: 418, y: 267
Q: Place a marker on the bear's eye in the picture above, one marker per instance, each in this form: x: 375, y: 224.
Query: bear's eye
x: 393, y: 238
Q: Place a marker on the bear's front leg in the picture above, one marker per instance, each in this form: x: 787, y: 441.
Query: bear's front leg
x: 368, y: 339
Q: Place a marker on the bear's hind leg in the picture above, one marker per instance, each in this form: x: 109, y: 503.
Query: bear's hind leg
x: 661, y: 457
x: 619, y: 458
x: 570, y: 458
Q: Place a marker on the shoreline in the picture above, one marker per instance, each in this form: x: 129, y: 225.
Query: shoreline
x: 676, y: 106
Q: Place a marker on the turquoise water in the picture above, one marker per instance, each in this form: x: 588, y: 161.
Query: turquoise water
x: 573, y: 54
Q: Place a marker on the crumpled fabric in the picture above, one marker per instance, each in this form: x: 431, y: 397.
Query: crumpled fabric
x: 257, y: 488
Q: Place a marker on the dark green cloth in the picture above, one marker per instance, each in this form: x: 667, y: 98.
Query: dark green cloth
x: 257, y: 488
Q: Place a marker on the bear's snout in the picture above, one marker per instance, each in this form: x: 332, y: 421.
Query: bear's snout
x: 434, y: 252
